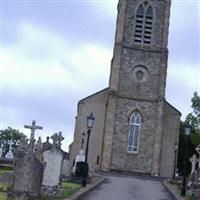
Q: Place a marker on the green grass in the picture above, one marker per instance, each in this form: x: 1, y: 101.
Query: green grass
x: 4, y: 170
x: 3, y: 196
x: 70, y: 188
x: 4, y: 187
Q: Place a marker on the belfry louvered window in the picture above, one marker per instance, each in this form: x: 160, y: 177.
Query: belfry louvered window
x: 139, y: 24
x: 143, y: 24
x: 134, y: 132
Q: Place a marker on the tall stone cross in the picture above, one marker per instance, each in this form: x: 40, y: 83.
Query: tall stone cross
x: 57, y: 138
x: 193, y: 160
x: 33, y: 127
x: 198, y: 151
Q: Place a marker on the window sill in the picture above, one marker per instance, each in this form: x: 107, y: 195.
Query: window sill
x: 132, y: 152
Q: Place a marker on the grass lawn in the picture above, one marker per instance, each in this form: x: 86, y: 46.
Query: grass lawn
x: 3, y: 196
x: 70, y: 188
x: 4, y: 170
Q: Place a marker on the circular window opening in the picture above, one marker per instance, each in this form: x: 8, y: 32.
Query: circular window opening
x: 139, y: 75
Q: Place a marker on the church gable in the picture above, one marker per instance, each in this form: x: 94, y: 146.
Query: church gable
x: 95, y: 103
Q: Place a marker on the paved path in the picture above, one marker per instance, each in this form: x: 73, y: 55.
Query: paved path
x: 129, y: 188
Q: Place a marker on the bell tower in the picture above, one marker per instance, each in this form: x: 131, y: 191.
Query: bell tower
x: 137, y: 88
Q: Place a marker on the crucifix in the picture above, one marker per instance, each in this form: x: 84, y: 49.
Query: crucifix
x: 193, y: 160
x: 33, y: 127
x: 198, y: 151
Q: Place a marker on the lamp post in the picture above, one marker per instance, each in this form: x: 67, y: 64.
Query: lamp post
x: 175, y: 159
x: 90, y: 123
x: 82, y: 139
x: 187, y: 133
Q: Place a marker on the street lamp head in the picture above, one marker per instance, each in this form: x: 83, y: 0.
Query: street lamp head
x: 187, y: 129
x: 90, y: 121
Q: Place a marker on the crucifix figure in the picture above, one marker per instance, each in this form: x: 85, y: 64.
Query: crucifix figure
x: 193, y: 160
x: 198, y: 151
x: 33, y: 127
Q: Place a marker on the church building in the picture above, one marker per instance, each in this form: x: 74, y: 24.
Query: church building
x: 135, y: 128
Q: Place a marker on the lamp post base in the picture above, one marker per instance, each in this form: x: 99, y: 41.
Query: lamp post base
x: 85, y: 175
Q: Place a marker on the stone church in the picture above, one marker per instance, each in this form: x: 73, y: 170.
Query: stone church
x: 135, y: 129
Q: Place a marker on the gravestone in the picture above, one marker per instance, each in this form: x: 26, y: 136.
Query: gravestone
x: 53, y: 158
x: 80, y: 158
x: 28, y: 170
x: 46, y: 145
x: 66, y: 168
x: 66, y: 172
x: 194, y: 183
x: 193, y: 161
x: 1, y: 150
x: 198, y: 151
x: 9, y: 154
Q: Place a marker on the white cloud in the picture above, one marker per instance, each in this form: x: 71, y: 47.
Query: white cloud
x: 41, y: 58
x: 41, y: 71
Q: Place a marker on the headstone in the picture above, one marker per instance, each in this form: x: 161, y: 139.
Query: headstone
x: 194, y: 183
x: 28, y: 170
x: 193, y: 160
x: 9, y: 154
x: 46, y: 145
x: 80, y: 158
x: 1, y: 150
x: 66, y: 169
x: 198, y: 151
x: 53, y: 158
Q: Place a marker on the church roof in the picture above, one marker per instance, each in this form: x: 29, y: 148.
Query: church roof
x: 93, y: 95
x: 176, y: 110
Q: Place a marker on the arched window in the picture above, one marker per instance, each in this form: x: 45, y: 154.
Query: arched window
x: 144, y: 24
x: 134, y: 132
x: 139, y: 24
x: 148, y: 25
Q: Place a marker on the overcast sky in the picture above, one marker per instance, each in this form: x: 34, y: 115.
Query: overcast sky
x: 54, y: 53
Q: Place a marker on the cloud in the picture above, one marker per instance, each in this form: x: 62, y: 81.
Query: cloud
x: 43, y: 77
x: 54, y: 54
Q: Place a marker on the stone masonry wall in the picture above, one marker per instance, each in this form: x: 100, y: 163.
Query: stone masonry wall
x: 96, y: 104
x: 170, y: 137
x: 134, y: 162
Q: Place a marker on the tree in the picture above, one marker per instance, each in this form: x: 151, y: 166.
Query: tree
x: 194, y: 139
x: 194, y: 119
x: 8, y: 135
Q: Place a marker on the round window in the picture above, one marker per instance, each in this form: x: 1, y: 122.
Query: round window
x: 140, y: 73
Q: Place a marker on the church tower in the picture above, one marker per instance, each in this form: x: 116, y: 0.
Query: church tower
x: 135, y: 129
x: 134, y: 124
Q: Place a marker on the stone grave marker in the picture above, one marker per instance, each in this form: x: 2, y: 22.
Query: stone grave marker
x: 28, y: 170
x: 1, y: 150
x: 9, y: 154
x: 198, y: 151
x: 53, y: 158
x: 46, y: 145
x: 79, y: 161
x: 66, y: 168
x: 193, y: 160
x: 194, y: 183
